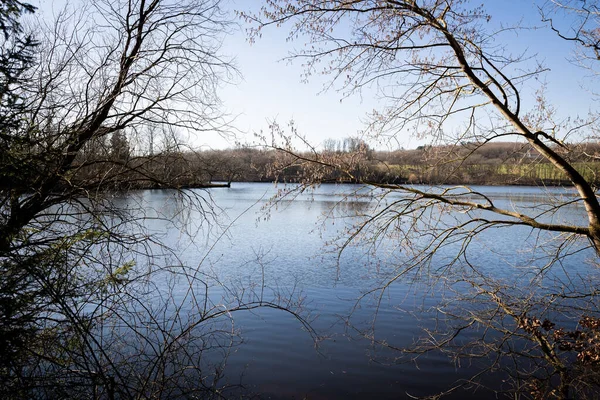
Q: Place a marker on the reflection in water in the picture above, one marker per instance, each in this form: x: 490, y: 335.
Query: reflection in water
x: 294, y: 249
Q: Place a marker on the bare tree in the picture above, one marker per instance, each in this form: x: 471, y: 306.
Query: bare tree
x: 87, y: 301
x: 438, y: 62
x: 578, y: 22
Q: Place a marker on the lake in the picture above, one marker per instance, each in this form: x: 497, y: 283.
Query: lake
x: 289, y: 249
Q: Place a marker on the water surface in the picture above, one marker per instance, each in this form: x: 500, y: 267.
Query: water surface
x: 285, y: 249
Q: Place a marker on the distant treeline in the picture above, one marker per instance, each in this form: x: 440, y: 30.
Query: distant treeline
x: 488, y: 164
x: 499, y: 163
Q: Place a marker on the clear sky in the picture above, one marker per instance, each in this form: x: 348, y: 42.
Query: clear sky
x: 271, y: 89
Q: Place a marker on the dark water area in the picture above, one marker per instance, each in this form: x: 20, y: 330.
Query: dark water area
x: 286, y: 249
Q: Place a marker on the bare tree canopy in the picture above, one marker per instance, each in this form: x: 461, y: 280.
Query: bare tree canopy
x: 87, y: 303
x: 108, y: 67
x: 441, y: 64
x: 578, y: 22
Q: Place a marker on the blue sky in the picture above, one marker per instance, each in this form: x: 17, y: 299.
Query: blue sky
x: 271, y: 89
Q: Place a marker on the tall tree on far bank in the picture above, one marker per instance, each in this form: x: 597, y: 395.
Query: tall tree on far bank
x: 119, y: 146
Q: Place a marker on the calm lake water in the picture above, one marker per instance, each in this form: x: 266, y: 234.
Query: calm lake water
x: 288, y: 250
